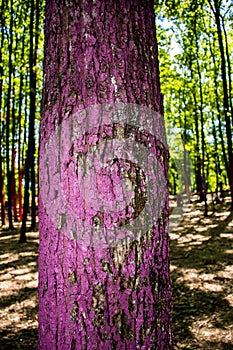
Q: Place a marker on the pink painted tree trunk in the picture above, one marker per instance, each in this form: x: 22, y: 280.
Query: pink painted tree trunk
x: 90, y: 296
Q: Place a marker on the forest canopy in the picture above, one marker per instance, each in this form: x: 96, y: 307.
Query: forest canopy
x: 195, y: 41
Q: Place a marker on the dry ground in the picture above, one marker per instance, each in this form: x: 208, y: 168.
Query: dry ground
x: 202, y: 276
x: 18, y: 291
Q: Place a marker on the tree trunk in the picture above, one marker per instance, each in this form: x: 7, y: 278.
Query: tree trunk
x: 20, y: 155
x: 30, y: 160
x: 91, y: 296
x: 216, y: 155
x: 227, y: 112
x: 218, y: 108
x: 228, y: 68
x: 8, y: 119
x: 13, y: 155
x: 13, y: 186
x: 204, y: 184
x: 186, y: 165
x: 33, y: 113
x: 199, y: 182
x: 20, y: 194
x: 3, y: 216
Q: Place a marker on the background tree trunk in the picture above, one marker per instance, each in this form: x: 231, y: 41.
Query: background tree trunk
x: 30, y: 161
x: 3, y: 216
x: 9, y: 173
x: 120, y: 297
x: 14, y: 199
x: 2, y: 126
x: 203, y: 176
x: 215, y: 7
x: 20, y: 154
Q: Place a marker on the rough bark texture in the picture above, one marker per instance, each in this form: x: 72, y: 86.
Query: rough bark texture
x: 119, y: 297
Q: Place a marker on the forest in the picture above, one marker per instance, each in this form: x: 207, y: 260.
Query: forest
x: 195, y: 51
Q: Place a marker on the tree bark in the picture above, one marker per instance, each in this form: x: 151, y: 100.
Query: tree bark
x: 218, y: 108
x: 30, y: 161
x: 229, y: 69
x: 13, y: 186
x: 13, y: 155
x: 2, y: 20
x: 20, y: 154
x: 215, y: 7
x: 117, y: 297
x: 199, y: 182
x: 3, y: 216
x: 33, y: 111
x: 9, y: 173
x: 216, y: 155
x: 204, y: 184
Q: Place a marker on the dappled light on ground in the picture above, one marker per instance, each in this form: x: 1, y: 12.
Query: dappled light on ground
x: 201, y: 271
x: 18, y: 289
x: 202, y: 275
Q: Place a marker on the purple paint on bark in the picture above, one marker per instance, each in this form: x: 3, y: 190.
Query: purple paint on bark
x: 106, y: 181
x: 116, y: 296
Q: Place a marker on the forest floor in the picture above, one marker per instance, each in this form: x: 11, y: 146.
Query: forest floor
x: 202, y: 279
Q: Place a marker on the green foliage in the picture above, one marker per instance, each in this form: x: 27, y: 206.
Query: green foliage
x: 190, y: 68
x: 15, y: 70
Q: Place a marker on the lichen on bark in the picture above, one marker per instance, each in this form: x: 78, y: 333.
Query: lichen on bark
x: 96, y: 52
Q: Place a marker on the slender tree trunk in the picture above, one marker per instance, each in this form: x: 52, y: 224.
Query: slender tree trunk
x: 14, y: 200
x: 174, y: 183
x: 204, y: 184
x: 199, y: 182
x: 229, y: 70
x: 33, y: 112
x: 2, y: 21
x: 116, y: 297
x: 8, y: 120
x: 30, y: 160
x: 3, y: 216
x: 216, y: 155
x: 20, y: 156
x: 24, y: 160
x: 20, y: 196
x: 216, y: 11
x: 13, y: 183
x: 25, y: 141
x: 184, y: 138
x: 23, y: 229
x: 186, y: 165
x: 219, y: 110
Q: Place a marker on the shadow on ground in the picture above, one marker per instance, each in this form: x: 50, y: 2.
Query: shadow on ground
x: 201, y: 270
x: 18, y: 289
x: 202, y: 275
